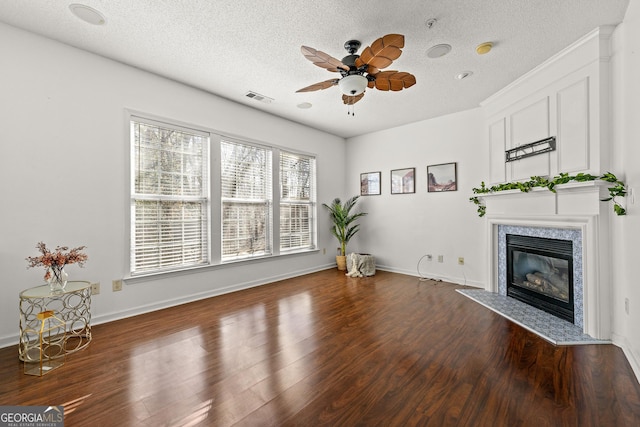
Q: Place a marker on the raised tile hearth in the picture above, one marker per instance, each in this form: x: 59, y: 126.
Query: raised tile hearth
x: 545, y: 325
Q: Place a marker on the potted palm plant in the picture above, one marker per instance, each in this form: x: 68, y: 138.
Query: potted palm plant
x: 343, y: 227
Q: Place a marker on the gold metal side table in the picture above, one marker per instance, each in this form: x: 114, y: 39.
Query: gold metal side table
x: 72, y: 305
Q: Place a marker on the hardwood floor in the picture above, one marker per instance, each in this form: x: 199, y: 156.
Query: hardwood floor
x: 324, y: 349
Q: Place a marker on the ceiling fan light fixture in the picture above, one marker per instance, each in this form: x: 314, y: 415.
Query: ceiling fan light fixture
x: 353, y: 84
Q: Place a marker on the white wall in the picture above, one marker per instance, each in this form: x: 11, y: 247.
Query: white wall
x: 626, y: 135
x: 63, y: 174
x: 400, y: 228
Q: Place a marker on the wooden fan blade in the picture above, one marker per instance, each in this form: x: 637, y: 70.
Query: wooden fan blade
x: 372, y: 70
x: 382, y: 52
x: 322, y: 59
x: 380, y: 62
x: 396, y: 85
x: 383, y: 84
x: 409, y: 80
x: 390, y: 40
x: 406, y: 80
x: 377, y: 46
x: 382, y: 80
x: 319, y: 86
x: 390, y: 52
x: 350, y: 100
x: 396, y: 40
x: 365, y: 56
x: 394, y: 80
x: 386, y: 74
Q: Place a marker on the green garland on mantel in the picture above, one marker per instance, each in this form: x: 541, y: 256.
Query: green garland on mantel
x: 618, y: 188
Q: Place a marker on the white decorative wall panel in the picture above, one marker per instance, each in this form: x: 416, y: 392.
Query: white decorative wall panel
x: 530, y: 124
x: 566, y: 97
x: 497, y: 147
x: 573, y: 127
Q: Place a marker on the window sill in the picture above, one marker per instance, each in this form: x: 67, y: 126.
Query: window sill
x: 147, y: 277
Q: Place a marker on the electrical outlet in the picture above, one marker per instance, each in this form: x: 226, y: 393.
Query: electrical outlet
x: 461, y: 260
x: 324, y: 251
x: 429, y: 257
x: 626, y: 305
x: 117, y: 285
x: 440, y: 258
x: 95, y: 288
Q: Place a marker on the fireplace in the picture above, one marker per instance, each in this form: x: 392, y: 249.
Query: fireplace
x: 574, y: 213
x: 540, y: 273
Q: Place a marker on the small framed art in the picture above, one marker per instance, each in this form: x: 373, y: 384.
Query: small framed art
x: 442, y: 177
x: 403, y: 181
x: 370, y: 183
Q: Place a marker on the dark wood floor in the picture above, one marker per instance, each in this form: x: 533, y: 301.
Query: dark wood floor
x: 325, y: 349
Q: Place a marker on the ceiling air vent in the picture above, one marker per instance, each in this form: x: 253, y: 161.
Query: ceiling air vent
x: 256, y: 96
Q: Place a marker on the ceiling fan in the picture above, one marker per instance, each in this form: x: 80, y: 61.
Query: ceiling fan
x: 361, y: 71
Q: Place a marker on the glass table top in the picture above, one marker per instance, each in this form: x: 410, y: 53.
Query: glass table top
x: 44, y: 291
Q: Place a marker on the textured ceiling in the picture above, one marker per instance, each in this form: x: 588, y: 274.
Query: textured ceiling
x: 229, y: 47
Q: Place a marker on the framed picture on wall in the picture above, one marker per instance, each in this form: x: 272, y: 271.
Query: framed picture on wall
x: 442, y: 177
x: 370, y: 183
x: 403, y: 181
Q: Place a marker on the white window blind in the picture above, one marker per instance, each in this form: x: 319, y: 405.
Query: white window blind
x: 169, y: 197
x: 246, y: 183
x: 297, y: 201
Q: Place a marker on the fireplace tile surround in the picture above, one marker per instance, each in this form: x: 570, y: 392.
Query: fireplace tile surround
x: 574, y: 235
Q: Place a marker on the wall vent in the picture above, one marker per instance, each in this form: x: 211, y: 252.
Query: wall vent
x: 256, y: 96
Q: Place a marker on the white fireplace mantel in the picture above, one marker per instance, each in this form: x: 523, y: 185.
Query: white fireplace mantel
x: 573, y: 206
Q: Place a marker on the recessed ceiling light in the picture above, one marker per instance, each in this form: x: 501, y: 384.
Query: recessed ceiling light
x: 438, y: 50
x: 305, y: 105
x: 464, y: 75
x: 87, y: 14
x: 483, y: 48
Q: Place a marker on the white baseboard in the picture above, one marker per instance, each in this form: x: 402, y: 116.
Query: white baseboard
x: 632, y: 356
x: 457, y: 280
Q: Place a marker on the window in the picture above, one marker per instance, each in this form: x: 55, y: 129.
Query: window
x: 297, y: 201
x: 169, y: 197
x: 260, y: 199
x: 246, y: 185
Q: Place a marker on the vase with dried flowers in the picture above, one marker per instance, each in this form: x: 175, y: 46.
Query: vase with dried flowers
x: 55, y: 262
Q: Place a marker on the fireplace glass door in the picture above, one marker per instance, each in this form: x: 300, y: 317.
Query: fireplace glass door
x: 540, y: 273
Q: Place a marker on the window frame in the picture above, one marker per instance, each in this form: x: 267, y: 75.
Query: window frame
x: 214, y: 237
x: 267, y: 200
x: 204, y: 198
x: 310, y: 203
